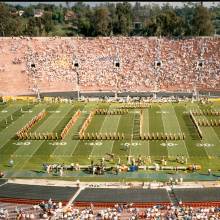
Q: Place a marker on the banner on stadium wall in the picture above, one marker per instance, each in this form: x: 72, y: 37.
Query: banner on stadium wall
x: 26, y: 98
x: 7, y: 98
x: 48, y: 99
x: 55, y: 99
x: 16, y: 98
x: 214, y: 99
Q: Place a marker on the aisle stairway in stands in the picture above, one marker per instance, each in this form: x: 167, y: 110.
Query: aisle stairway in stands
x: 74, y: 196
x: 3, y: 182
x: 172, y: 197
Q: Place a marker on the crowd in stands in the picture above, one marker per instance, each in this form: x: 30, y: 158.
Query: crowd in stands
x: 128, y: 212
x: 56, y: 210
x: 129, y: 63
x: 17, y: 213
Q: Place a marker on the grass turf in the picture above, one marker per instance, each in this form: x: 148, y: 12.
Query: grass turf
x: 163, y: 118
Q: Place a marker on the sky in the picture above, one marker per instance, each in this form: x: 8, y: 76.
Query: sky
x: 178, y: 4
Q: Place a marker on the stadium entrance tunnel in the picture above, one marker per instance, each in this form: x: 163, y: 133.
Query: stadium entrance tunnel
x: 33, y: 65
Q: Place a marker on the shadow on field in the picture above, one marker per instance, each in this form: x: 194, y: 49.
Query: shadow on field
x: 38, y: 171
x: 204, y: 174
x: 191, y: 128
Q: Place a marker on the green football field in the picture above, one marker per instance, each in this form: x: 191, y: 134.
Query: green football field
x: 29, y: 155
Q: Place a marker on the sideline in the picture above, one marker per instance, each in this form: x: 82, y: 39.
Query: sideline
x: 196, y: 184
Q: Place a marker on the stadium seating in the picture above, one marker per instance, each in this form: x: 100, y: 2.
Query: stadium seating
x: 107, y: 203
x: 27, y: 194
x: 47, y: 64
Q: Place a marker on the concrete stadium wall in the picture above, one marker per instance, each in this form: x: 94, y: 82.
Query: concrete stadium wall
x: 102, y: 94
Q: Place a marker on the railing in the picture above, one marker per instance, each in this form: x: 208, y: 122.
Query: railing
x: 112, y: 204
x: 28, y: 201
x: 202, y: 204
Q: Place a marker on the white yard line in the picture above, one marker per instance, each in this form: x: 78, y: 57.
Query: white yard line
x: 131, y: 137
x: 146, y: 130
x: 31, y: 155
x: 180, y: 130
x: 74, y: 148
x: 99, y: 132
x: 78, y: 141
x: 25, y: 161
x: 164, y: 131
x: 116, y: 131
x: 67, y: 136
x: 148, y: 126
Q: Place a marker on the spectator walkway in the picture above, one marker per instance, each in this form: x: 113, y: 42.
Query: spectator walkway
x: 148, y: 175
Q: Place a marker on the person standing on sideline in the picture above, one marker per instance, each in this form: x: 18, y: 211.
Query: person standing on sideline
x: 11, y: 163
x: 61, y: 171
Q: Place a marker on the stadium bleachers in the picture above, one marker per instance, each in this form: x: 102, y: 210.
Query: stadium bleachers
x: 29, y: 194
x: 38, y: 201
x: 3, y: 181
x: 199, y: 196
x: 107, y: 197
x: 195, y: 197
x: 54, y: 69
x: 48, y: 64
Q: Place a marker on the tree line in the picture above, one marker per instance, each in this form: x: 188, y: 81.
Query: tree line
x: 108, y: 19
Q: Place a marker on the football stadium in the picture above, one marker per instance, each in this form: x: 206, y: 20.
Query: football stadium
x: 102, y: 122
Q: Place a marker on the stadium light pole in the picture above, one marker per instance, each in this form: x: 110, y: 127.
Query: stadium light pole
x: 35, y: 84
x: 78, y: 91
x: 156, y: 84
x: 157, y: 68
x: 36, y: 89
x: 199, y: 70
x: 38, y: 94
x: 76, y: 66
x: 116, y: 67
